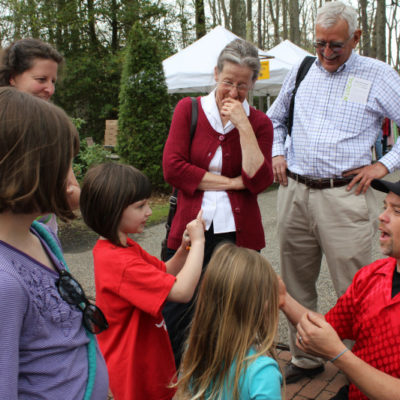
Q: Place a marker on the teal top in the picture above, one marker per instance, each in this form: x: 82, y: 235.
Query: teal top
x: 261, y: 381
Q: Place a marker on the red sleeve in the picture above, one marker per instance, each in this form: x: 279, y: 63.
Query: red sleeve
x: 341, y: 316
x: 178, y: 171
x: 264, y: 132
x: 145, y: 282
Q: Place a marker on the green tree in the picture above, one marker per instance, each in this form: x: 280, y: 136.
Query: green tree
x: 144, y: 109
x: 90, y: 34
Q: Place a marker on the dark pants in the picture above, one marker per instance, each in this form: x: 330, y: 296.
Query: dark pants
x: 342, y: 394
x: 179, y: 315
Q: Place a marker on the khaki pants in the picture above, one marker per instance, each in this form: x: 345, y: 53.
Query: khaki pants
x: 312, y: 222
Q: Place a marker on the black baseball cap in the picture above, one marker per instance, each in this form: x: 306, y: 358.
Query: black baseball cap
x: 386, y: 186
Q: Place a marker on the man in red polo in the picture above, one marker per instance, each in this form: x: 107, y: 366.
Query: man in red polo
x: 368, y: 313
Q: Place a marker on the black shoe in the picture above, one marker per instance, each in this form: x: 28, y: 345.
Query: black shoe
x: 294, y: 373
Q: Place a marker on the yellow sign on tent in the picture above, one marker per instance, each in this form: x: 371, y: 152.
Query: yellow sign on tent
x: 264, y: 71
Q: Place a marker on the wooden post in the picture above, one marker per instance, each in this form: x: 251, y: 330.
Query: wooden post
x: 111, y: 133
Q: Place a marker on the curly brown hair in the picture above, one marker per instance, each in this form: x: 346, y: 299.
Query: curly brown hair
x: 19, y: 56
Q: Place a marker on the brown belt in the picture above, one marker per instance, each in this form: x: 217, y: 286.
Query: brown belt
x: 322, y: 183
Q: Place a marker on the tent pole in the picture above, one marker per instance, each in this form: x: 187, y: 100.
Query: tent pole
x: 251, y: 98
x: 261, y: 103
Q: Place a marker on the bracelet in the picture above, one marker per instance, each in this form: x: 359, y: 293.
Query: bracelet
x: 340, y: 354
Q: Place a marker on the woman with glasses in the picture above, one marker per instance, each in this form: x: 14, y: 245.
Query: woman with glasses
x: 47, y: 349
x: 222, y: 169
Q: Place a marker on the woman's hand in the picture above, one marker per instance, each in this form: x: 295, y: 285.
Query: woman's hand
x: 252, y: 156
x: 216, y: 182
x: 73, y: 190
x: 234, y: 111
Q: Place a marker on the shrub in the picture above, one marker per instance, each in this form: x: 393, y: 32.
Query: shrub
x: 144, y: 108
x: 88, y: 155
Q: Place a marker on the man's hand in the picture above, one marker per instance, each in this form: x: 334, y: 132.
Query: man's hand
x: 316, y: 336
x: 365, y: 175
x: 279, y: 166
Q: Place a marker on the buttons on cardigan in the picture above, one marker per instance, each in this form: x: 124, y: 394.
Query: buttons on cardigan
x: 237, y: 210
x: 221, y: 138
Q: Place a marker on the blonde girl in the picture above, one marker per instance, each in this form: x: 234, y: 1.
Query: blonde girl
x: 230, y: 349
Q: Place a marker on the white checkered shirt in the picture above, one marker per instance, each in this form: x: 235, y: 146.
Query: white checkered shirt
x: 331, y: 135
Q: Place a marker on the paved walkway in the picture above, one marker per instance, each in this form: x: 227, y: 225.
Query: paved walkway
x: 322, y: 387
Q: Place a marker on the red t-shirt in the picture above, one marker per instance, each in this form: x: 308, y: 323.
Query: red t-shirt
x: 368, y: 314
x: 131, y: 288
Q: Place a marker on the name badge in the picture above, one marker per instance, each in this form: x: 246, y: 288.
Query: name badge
x: 357, y: 90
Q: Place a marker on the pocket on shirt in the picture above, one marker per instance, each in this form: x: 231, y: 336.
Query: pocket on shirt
x: 351, y: 118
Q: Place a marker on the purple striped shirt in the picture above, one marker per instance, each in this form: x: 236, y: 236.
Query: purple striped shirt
x: 43, y: 352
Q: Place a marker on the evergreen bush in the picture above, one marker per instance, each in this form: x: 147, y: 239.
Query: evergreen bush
x: 144, y: 107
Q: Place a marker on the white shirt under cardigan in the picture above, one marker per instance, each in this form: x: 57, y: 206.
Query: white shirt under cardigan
x: 337, y: 117
x: 216, y: 205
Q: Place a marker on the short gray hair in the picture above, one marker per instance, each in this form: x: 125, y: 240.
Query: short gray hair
x: 330, y: 14
x: 242, y: 53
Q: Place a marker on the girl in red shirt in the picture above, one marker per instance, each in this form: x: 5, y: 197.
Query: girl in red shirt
x: 132, y: 285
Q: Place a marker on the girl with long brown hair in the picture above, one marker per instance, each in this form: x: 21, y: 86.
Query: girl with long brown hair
x: 47, y: 349
x: 230, y: 350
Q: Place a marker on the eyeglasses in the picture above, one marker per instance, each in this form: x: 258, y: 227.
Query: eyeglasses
x: 336, y: 47
x: 71, y: 291
x: 241, y: 87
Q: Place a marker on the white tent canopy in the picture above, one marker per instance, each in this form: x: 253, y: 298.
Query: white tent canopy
x: 288, y: 52
x: 192, y: 69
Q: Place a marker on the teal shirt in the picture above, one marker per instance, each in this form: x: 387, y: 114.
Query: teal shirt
x: 262, y: 380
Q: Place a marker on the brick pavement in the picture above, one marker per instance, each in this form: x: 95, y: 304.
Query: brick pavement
x: 322, y: 387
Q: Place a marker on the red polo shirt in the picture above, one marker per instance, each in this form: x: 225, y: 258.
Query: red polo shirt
x: 369, y: 315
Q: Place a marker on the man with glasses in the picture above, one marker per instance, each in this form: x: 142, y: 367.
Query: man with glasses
x: 325, y: 205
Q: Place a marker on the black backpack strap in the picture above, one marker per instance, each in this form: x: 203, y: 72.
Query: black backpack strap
x: 193, y: 123
x: 173, y: 200
x: 301, y: 73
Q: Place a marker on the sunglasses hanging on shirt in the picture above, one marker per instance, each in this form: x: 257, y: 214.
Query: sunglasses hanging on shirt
x: 72, y: 292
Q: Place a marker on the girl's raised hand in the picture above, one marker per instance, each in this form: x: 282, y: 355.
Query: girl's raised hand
x: 195, y: 229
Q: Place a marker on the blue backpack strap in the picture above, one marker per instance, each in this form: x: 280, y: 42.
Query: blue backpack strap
x: 91, y: 346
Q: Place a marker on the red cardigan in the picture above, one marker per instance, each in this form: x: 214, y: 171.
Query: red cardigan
x: 185, y: 164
